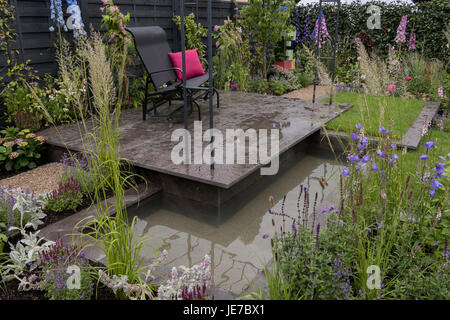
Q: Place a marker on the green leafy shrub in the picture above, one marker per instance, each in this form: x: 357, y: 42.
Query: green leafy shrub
x: 266, y: 22
x: 68, y: 196
x: 277, y: 86
x: 429, y: 18
x: 194, y: 33
x: 258, y: 85
x: 20, y: 149
x: 232, y: 58
x: 19, y: 104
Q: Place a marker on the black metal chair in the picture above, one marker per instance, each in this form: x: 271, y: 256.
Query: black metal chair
x: 152, y: 47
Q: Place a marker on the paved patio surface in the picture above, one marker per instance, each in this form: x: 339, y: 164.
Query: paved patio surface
x: 148, y: 144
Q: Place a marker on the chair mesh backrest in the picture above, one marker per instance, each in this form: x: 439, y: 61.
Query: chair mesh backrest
x: 153, y: 48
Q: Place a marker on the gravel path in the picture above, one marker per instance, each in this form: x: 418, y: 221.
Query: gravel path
x: 41, y: 179
x: 306, y: 93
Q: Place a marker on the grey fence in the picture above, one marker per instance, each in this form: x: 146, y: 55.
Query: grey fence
x: 36, y: 43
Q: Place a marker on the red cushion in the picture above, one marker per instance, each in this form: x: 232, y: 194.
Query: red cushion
x: 193, y: 66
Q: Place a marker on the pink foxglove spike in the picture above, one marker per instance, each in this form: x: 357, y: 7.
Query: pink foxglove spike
x: 401, y: 30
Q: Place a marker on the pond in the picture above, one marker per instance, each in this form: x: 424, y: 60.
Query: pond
x: 235, y: 245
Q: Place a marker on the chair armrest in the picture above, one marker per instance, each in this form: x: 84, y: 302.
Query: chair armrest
x: 205, y: 61
x: 163, y: 70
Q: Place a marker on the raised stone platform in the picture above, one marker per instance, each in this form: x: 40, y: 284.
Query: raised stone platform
x: 147, y: 144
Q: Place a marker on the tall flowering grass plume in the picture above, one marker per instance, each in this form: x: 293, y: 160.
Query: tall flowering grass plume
x: 374, y: 69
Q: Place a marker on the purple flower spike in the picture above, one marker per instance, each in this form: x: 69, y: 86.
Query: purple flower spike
x: 429, y: 144
x: 354, y: 136
x: 375, y: 167
x: 345, y: 172
x: 423, y: 157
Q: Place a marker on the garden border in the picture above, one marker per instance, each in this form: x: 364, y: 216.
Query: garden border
x: 410, y: 139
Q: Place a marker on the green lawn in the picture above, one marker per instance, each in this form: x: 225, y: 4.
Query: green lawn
x: 375, y: 110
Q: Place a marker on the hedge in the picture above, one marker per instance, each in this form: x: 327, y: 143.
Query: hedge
x: 428, y: 18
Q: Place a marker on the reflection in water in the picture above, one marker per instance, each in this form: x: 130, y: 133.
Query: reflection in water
x: 236, y: 247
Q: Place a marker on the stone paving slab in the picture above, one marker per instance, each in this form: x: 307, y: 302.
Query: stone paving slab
x: 148, y: 144
x: 68, y: 226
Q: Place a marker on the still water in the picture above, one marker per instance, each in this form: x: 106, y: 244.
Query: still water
x: 235, y: 245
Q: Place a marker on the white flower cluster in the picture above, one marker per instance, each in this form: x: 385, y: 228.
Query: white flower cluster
x: 189, y: 278
x: 132, y: 291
